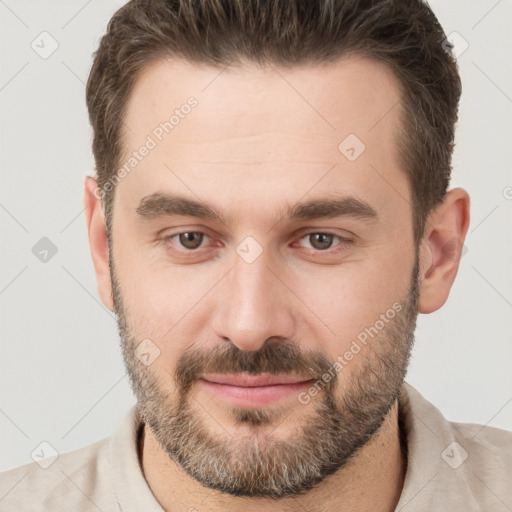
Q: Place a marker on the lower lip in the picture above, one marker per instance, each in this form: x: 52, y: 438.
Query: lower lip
x: 255, y: 396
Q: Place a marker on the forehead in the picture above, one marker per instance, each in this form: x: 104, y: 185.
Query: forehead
x: 253, y: 129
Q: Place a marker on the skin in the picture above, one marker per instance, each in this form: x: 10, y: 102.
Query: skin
x: 261, y: 138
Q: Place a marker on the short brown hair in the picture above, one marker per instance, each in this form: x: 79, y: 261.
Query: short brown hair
x: 405, y: 34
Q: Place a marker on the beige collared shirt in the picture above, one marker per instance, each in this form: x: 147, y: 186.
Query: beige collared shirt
x: 451, y: 467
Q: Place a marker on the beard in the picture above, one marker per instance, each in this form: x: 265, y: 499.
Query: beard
x: 248, y: 463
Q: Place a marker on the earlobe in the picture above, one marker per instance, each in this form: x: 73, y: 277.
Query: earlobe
x: 98, y: 241
x: 442, y: 248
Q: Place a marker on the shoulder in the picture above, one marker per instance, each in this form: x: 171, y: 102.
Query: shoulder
x: 455, y: 464
x: 76, y: 480
x: 488, y: 450
x: 477, y: 462
x: 481, y: 442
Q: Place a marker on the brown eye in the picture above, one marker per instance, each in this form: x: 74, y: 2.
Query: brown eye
x: 324, y: 242
x: 321, y: 241
x: 191, y: 239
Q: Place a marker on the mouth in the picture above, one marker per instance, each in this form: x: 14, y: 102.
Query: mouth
x: 254, y: 390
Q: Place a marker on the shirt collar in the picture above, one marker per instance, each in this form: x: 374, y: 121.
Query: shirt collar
x: 427, y: 433
x: 131, y: 488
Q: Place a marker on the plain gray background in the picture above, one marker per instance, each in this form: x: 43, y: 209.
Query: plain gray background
x: 62, y: 376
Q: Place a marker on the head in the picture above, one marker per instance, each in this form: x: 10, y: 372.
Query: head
x: 271, y: 198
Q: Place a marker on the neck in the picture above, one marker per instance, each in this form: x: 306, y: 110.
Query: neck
x: 373, y: 480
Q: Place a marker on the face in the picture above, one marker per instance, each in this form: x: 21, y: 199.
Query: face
x: 297, y: 262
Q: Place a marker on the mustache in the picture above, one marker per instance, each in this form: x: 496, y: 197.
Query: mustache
x: 277, y: 357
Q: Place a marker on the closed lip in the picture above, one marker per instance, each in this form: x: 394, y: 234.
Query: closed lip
x: 251, y: 381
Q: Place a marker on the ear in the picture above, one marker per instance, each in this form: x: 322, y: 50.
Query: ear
x: 98, y: 241
x: 441, y: 249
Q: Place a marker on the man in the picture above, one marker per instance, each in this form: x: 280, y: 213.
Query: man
x: 270, y: 213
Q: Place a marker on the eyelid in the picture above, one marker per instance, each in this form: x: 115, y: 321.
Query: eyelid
x: 336, y: 248
x: 325, y: 231
x: 167, y: 238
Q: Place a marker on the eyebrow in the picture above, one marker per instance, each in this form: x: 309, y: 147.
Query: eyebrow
x: 165, y: 205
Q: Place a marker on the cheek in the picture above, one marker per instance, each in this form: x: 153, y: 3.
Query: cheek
x: 167, y: 305
x: 350, y: 298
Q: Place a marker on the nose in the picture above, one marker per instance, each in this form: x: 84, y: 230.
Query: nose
x: 254, y: 305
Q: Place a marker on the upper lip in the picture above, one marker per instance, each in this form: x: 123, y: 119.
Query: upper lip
x: 245, y: 380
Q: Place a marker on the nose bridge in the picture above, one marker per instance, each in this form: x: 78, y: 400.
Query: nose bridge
x: 253, y: 307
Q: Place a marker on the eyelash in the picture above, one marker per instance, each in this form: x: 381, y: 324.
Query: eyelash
x: 343, y: 242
